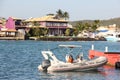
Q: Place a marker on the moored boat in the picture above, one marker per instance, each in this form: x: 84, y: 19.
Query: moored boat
x: 113, y: 36
x: 52, y: 64
x: 113, y: 57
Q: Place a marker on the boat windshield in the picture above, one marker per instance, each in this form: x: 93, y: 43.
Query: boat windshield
x: 74, y: 50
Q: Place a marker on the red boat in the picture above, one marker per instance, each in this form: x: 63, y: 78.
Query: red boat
x: 113, y: 57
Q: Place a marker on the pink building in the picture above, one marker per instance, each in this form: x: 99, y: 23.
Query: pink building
x: 8, y: 29
x: 55, y: 26
x: 16, y: 27
x: 12, y: 28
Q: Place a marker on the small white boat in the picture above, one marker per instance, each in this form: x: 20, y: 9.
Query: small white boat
x: 115, y: 36
x: 52, y: 64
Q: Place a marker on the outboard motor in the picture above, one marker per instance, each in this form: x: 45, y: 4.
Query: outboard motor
x: 117, y: 65
x: 45, y: 64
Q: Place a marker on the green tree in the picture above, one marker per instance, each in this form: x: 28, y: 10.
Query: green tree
x: 80, y: 27
x: 61, y: 14
x: 87, y: 26
x: 31, y: 32
x: 96, y: 22
x: 67, y: 32
x: 37, y: 32
x: 95, y: 25
x: 44, y: 31
x: 75, y: 31
x: 66, y: 15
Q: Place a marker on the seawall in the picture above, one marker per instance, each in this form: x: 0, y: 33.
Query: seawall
x: 66, y: 39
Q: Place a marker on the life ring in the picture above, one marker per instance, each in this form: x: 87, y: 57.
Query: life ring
x: 117, y: 65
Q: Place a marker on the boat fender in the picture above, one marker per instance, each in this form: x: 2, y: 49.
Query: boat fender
x: 45, y: 64
x: 117, y: 65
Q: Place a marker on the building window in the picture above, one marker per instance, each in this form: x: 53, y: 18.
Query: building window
x: 48, y: 24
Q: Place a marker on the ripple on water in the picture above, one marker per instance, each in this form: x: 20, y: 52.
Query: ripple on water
x: 19, y: 61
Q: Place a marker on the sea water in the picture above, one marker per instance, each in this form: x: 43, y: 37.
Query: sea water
x: 19, y: 60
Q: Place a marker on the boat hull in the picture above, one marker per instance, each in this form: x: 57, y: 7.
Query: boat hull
x: 114, y: 39
x: 112, y: 57
x: 82, y: 66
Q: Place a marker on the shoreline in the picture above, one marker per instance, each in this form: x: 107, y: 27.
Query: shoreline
x: 12, y: 38
x: 66, y: 39
x: 53, y: 38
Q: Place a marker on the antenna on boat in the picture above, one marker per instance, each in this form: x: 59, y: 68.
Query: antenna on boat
x: 92, y: 47
x: 106, y: 49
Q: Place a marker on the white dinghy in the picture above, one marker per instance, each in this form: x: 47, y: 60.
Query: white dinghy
x: 51, y: 63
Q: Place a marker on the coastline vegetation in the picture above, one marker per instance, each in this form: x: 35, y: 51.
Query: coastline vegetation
x: 78, y: 26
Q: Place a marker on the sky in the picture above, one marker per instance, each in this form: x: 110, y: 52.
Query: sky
x: 77, y: 9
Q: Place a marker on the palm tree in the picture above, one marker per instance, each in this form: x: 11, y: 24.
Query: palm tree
x: 95, y: 24
x: 66, y: 15
x: 96, y: 21
x: 81, y: 26
x: 59, y: 14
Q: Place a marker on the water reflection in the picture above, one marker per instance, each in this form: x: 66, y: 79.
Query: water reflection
x: 68, y: 75
x: 19, y: 61
x: 103, y: 73
x: 110, y: 73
